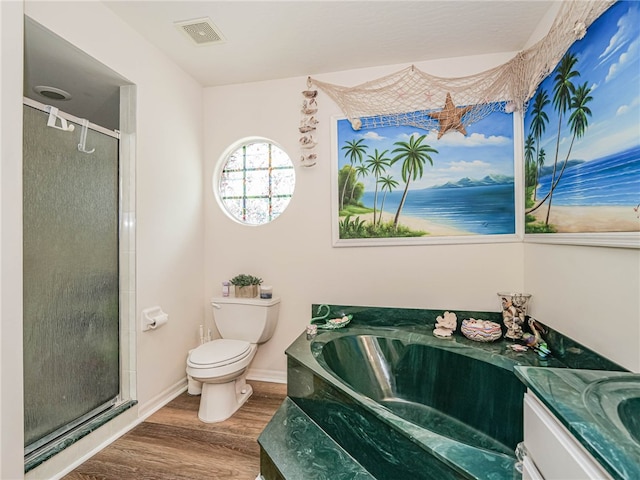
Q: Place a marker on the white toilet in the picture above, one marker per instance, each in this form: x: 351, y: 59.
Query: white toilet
x: 219, y: 368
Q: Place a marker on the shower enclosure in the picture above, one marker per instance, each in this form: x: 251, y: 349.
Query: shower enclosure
x: 71, y: 276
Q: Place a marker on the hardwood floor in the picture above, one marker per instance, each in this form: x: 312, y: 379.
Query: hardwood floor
x: 173, y: 444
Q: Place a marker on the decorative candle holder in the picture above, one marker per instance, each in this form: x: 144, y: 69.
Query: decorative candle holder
x: 514, y: 310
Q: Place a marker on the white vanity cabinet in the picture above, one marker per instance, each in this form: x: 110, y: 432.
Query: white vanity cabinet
x: 552, y: 452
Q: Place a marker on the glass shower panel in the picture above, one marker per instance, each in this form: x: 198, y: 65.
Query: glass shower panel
x: 71, y: 317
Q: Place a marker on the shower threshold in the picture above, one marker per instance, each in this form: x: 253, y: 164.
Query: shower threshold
x: 44, y: 452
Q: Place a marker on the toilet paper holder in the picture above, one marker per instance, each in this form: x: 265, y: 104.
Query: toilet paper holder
x: 153, y: 318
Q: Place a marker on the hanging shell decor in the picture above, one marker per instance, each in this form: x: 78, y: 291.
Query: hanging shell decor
x: 308, y: 126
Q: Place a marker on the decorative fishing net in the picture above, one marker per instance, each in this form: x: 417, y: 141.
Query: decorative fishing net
x: 412, y: 97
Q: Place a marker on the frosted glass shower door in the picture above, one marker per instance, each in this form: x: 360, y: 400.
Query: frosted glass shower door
x: 71, y: 282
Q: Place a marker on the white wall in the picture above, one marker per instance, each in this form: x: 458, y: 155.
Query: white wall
x: 295, y: 254
x: 169, y: 202
x: 591, y: 294
x: 11, y: 426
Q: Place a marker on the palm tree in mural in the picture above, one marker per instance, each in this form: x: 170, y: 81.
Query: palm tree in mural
x: 362, y: 171
x: 530, y: 165
x: 413, y: 155
x: 541, y: 155
x: 354, y: 150
x: 563, y: 89
x: 538, y: 125
x: 387, y: 184
x: 578, y: 123
x: 377, y: 164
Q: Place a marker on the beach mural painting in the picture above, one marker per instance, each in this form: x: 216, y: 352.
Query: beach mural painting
x: 397, y: 185
x: 582, y: 136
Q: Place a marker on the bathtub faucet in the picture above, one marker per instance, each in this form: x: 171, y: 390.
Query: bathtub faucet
x: 321, y: 318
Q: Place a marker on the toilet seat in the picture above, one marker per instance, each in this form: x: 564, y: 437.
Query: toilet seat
x: 219, y: 353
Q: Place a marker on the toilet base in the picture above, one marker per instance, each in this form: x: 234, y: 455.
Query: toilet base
x: 219, y: 401
x: 193, y: 386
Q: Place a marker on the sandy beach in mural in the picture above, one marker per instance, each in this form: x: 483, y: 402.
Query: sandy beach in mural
x: 583, y: 219
x: 414, y: 223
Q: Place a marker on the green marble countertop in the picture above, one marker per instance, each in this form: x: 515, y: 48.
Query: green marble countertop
x: 600, y: 408
x: 496, y: 353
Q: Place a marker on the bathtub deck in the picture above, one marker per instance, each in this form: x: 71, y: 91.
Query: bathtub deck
x: 294, y: 447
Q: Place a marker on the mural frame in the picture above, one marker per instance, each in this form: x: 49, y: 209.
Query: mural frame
x: 518, y: 205
x: 597, y: 201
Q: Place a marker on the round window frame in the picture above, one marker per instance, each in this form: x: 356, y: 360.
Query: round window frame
x: 221, y: 164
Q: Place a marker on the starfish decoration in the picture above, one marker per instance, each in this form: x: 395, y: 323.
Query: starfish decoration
x: 450, y: 117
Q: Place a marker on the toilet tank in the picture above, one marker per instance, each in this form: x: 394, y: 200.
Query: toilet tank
x: 250, y: 319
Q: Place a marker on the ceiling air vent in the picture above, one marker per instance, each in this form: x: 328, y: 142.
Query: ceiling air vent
x: 201, y: 31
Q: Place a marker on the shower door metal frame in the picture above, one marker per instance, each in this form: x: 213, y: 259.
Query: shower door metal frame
x: 71, y: 118
x: 126, y: 262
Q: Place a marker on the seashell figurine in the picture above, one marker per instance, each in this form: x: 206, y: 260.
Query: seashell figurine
x: 307, y: 142
x: 309, y: 160
x: 445, y: 325
x: 480, y: 330
x: 309, y: 111
x: 514, y: 311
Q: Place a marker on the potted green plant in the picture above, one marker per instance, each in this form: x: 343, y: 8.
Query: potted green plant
x: 246, y: 286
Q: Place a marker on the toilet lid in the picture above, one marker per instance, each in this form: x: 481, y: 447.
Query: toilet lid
x: 222, y: 351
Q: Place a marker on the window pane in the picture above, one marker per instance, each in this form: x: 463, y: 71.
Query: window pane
x: 279, y: 158
x: 257, y: 211
x: 256, y: 183
x: 257, y: 155
x: 278, y: 205
x: 234, y: 207
x: 282, y: 182
x: 232, y: 184
x: 235, y: 161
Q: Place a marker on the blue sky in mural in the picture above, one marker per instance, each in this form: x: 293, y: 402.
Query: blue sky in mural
x: 609, y: 60
x: 609, y: 63
x: 486, y: 150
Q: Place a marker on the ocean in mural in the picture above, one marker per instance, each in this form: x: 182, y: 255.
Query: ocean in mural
x: 612, y: 180
x: 482, y: 210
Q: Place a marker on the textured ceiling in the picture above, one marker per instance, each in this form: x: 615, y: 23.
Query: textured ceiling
x: 277, y: 39
x: 267, y: 40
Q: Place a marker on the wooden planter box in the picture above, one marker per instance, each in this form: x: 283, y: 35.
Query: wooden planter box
x: 250, y: 291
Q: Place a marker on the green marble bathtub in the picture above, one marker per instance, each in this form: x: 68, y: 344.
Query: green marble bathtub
x: 402, y: 403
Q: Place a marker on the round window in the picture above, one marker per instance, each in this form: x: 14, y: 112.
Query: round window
x: 255, y: 181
